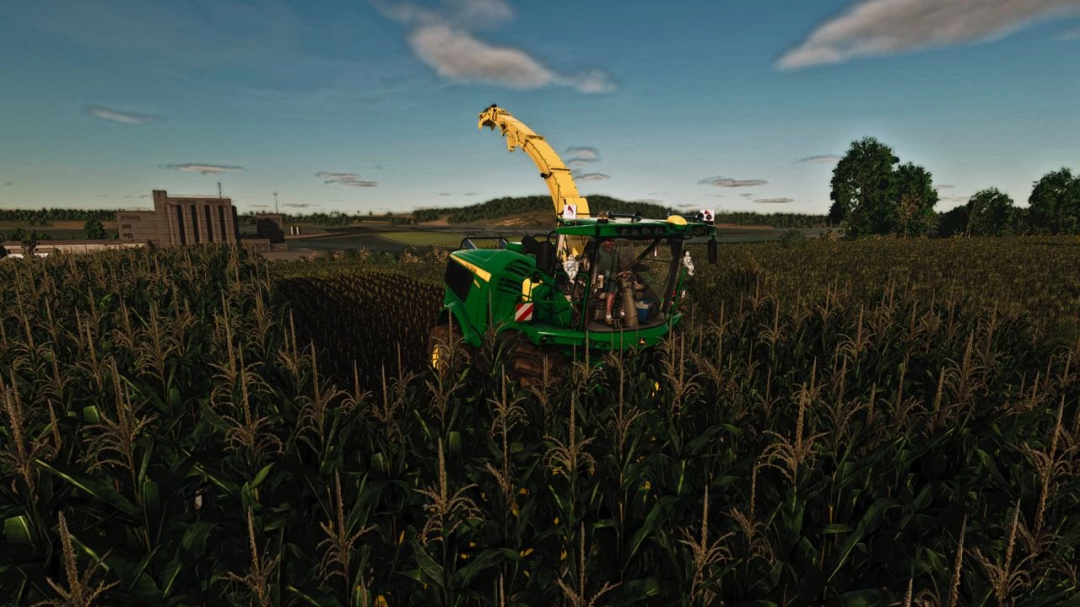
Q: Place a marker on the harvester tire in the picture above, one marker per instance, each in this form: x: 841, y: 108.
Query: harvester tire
x: 440, y: 340
x: 525, y: 361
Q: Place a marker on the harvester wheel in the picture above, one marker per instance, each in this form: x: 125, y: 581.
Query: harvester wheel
x: 441, y: 342
x: 525, y: 361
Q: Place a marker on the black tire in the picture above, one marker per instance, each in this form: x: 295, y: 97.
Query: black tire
x: 525, y: 361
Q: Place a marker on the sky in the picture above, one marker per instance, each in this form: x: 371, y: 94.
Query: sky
x: 371, y: 105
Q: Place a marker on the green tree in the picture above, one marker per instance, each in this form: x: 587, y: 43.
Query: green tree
x: 29, y: 243
x: 990, y: 213
x: 1055, y: 203
x: 953, y: 222
x: 95, y: 230
x: 863, y: 188
x: 915, y: 200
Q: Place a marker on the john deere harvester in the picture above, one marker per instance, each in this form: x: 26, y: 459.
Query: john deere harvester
x: 605, y: 282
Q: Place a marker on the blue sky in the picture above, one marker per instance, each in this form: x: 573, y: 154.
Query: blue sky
x: 697, y: 104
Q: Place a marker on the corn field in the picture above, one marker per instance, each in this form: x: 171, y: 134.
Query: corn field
x: 173, y: 435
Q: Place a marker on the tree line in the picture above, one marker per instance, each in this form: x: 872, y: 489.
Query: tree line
x: 873, y: 194
x: 43, y: 216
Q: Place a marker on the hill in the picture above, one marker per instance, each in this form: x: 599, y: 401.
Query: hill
x: 534, y: 210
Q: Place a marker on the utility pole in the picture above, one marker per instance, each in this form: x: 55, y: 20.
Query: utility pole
x: 275, y: 203
x: 219, y: 190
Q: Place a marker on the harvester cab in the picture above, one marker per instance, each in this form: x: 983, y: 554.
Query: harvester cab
x: 606, y: 282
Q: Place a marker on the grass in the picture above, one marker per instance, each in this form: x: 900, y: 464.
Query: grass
x: 424, y: 239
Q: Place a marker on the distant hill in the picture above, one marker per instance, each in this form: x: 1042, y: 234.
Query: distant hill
x: 533, y: 210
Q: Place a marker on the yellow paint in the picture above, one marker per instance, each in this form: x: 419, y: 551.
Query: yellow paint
x: 675, y: 219
x: 526, y: 288
x: 481, y: 273
x: 557, y: 175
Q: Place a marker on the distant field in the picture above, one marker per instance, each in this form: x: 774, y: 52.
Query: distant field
x: 424, y: 239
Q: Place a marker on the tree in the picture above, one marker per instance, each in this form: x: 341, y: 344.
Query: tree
x: 990, y: 213
x: 1054, y: 205
x: 953, y: 222
x: 863, y: 188
x: 95, y: 230
x: 915, y: 200
x: 29, y: 243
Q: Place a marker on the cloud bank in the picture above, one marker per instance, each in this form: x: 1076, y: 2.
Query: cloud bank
x: 774, y: 200
x: 591, y: 177
x: 444, y: 40
x: 121, y: 116
x: 205, y: 169
x: 725, y: 182
x: 883, y: 27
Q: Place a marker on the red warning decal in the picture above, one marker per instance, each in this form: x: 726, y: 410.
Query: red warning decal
x: 523, y: 312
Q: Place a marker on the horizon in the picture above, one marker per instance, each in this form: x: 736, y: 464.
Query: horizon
x: 371, y: 106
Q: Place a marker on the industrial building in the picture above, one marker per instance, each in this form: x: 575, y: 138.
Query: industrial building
x: 186, y: 220
x: 181, y: 220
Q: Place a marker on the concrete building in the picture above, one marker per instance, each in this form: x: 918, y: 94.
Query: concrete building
x: 181, y: 220
x: 270, y: 226
x: 14, y: 248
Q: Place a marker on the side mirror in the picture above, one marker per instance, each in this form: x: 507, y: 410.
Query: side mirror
x: 468, y: 244
x: 545, y: 257
x: 712, y: 251
x: 502, y: 242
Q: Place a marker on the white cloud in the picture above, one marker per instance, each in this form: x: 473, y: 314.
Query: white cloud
x: 334, y: 177
x: 457, y: 55
x: 349, y: 179
x: 124, y: 117
x: 205, y: 169
x: 882, y: 27
x: 443, y: 39
x: 296, y: 205
x: 725, y: 182
x: 963, y: 199
x: 824, y: 159
x: 944, y: 187
x: 444, y: 193
x: 774, y: 200
x: 581, y: 155
x: 746, y: 195
x: 591, y: 177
